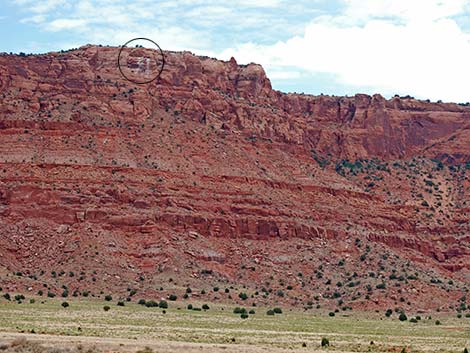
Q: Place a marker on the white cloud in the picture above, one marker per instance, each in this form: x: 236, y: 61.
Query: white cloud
x: 426, y: 56
x: 41, y: 6
x: 46, y: 6
x: 284, y: 75
x: 173, y: 38
x: 403, y: 9
x: 62, y: 24
x: 259, y: 3
x: 34, y: 19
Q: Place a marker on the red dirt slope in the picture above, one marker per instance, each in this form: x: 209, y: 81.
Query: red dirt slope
x: 208, y: 177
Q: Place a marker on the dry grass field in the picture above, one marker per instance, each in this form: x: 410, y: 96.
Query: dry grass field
x: 46, y: 326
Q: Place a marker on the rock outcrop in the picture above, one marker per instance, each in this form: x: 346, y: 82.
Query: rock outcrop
x: 210, y: 176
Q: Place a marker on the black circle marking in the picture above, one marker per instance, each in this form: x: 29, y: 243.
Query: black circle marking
x: 148, y: 81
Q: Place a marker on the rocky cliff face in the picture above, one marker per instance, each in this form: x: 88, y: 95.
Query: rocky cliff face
x: 209, y: 177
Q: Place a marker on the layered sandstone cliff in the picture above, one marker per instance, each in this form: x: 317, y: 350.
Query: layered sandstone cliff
x: 210, y: 176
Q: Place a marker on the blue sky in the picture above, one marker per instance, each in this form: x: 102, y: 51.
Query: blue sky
x: 339, y: 47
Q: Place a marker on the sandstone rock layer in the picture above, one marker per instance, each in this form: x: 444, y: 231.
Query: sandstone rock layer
x: 210, y: 177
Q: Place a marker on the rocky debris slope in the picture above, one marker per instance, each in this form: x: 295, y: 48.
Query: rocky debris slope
x: 208, y: 177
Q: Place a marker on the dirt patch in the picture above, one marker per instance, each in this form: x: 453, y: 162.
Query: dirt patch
x: 22, y: 345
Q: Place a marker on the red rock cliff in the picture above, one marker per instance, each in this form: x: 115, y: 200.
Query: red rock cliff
x: 208, y: 172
